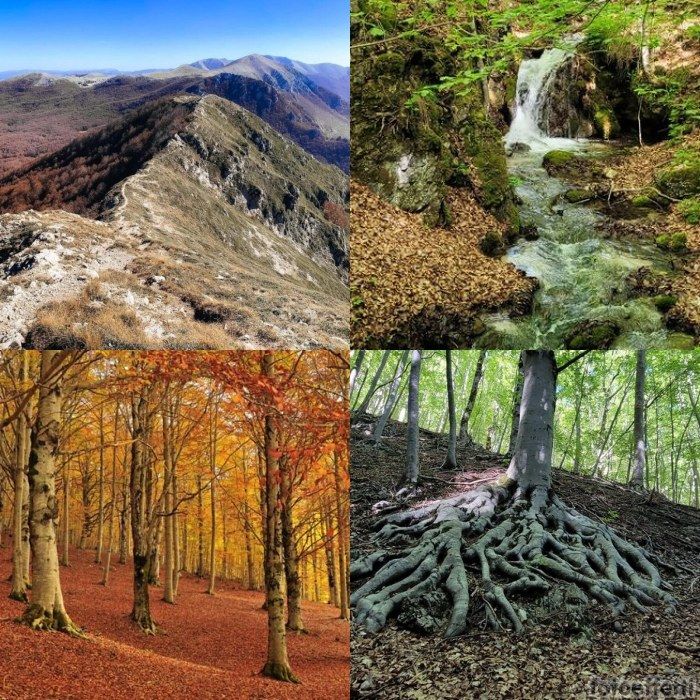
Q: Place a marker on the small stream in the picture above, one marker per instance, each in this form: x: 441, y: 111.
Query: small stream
x: 581, y: 273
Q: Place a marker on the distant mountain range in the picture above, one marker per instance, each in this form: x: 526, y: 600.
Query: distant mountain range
x: 188, y: 222
x: 332, y: 77
x: 41, y: 112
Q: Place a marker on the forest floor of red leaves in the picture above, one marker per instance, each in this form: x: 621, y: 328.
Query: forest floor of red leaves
x: 549, y: 661
x: 207, y: 646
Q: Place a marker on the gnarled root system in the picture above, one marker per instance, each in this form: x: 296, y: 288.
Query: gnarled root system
x: 518, y: 545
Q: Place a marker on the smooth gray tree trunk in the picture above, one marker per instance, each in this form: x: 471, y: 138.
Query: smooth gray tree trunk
x: 451, y: 460
x: 464, y: 438
x: 531, y: 464
x: 412, y: 472
x: 391, y: 398
x: 640, y: 448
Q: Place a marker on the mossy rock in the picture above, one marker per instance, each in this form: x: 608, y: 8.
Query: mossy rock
x: 680, y: 341
x: 643, y: 201
x: 680, y: 180
x: 663, y: 302
x: 492, y: 244
x: 598, y: 335
x: 675, y: 242
x: 690, y: 210
x: 557, y: 159
x: 577, y: 195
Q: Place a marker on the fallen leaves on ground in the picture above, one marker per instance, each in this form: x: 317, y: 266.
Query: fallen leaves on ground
x: 413, y: 285
x: 207, y: 646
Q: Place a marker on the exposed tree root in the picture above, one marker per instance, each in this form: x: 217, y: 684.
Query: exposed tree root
x: 144, y: 622
x: 38, y: 618
x: 517, y: 545
x: 280, y: 672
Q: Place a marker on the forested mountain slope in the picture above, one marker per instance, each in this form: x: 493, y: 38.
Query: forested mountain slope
x: 228, y: 233
x: 39, y: 114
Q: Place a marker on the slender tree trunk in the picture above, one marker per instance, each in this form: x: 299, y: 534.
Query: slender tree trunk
x: 639, y: 464
x: 20, y: 509
x: 356, y: 369
x: 391, y: 399
x: 333, y: 598
x: 451, y: 461
x: 46, y: 610
x: 341, y: 516
x: 295, y: 621
x: 200, y: 527
x: 168, y: 583
x: 249, y: 580
x: 277, y: 664
x: 412, y: 472
x: 113, y: 501
x: 463, y: 437
x: 362, y: 408
x: 101, y: 487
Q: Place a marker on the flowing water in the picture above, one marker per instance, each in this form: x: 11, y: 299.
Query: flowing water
x: 581, y: 273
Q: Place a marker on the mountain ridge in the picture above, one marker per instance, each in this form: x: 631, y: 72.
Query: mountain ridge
x: 222, y: 230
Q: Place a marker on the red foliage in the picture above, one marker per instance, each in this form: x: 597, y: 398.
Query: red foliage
x: 208, y: 646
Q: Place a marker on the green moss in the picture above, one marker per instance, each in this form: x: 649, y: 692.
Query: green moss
x: 690, y: 210
x: 606, y: 123
x: 577, y: 195
x: 663, y: 302
x: 642, y: 200
x: 491, y: 244
x: 557, y: 159
x: 680, y: 180
x: 593, y: 335
x: 676, y: 242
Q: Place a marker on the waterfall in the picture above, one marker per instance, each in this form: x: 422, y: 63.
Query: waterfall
x: 534, y: 78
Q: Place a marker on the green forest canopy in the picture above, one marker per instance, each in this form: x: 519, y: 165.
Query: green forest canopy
x: 600, y: 387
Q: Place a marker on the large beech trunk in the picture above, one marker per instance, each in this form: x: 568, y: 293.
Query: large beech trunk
x: 46, y: 610
x: 141, y: 611
x: 277, y: 664
x: 515, y: 536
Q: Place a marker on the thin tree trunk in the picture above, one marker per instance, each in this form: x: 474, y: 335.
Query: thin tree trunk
x: 362, y: 408
x: 141, y: 611
x: 391, y: 399
x: 515, y: 411
x: 451, y: 460
x: 213, y: 439
x: 113, y: 500
x: 412, y: 472
x: 168, y: 583
x: 101, y: 487
x: 20, y: 509
x: 463, y: 437
x: 639, y: 449
x: 356, y: 369
x: 341, y: 516
x: 295, y: 621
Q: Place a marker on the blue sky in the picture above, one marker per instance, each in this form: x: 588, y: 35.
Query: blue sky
x: 133, y: 34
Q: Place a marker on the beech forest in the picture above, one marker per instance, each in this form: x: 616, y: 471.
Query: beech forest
x: 191, y: 506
